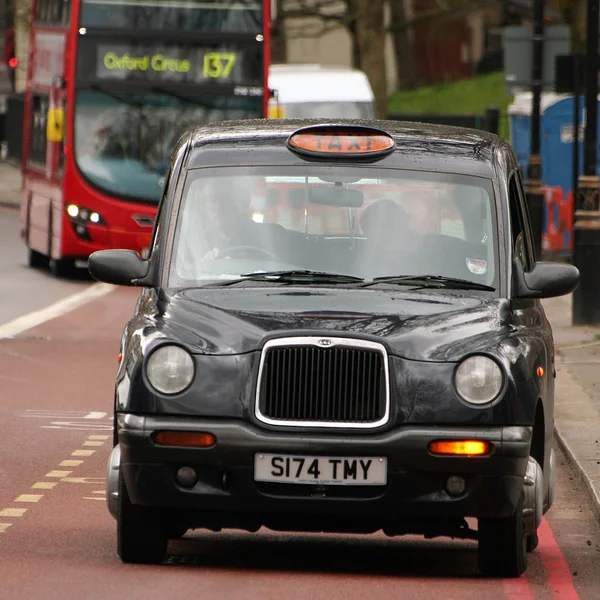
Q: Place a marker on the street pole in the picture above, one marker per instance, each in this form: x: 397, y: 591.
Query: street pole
x: 577, y: 76
x: 586, y: 229
x: 535, y: 196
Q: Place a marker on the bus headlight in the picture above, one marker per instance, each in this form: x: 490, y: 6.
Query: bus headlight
x: 478, y: 379
x: 83, y: 215
x: 170, y: 369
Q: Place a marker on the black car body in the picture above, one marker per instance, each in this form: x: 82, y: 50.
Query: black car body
x: 309, y: 385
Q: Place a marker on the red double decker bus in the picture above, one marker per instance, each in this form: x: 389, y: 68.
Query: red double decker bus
x: 111, y: 86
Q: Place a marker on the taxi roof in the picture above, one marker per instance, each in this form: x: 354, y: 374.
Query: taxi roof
x: 419, y: 146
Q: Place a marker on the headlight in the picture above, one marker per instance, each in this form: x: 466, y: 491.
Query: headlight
x: 478, y: 379
x: 170, y: 369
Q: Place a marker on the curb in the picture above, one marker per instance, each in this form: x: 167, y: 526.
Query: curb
x: 581, y: 475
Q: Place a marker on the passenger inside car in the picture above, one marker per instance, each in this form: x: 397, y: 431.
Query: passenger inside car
x: 390, y: 241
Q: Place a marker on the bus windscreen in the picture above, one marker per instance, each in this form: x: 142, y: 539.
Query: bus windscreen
x: 226, y: 16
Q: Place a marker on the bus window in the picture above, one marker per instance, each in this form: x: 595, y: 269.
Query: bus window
x: 52, y: 12
x: 232, y: 16
x: 37, y: 136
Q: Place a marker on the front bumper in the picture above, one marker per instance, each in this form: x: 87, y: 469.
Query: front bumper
x: 226, y: 494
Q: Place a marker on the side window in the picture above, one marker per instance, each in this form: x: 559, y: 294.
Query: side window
x: 518, y: 224
x: 526, y: 219
x: 53, y: 12
x: 37, y: 134
x: 157, y: 233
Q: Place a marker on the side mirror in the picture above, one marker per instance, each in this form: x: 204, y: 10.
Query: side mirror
x: 546, y: 280
x: 120, y: 267
x: 55, y: 125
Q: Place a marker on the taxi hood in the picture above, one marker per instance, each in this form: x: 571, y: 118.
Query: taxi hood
x: 430, y: 325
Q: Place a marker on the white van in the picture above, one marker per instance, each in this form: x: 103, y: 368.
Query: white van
x: 307, y: 90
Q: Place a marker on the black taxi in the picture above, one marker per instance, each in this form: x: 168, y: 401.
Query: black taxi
x: 339, y: 330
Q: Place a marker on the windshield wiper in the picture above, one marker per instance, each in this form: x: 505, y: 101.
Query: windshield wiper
x: 295, y: 275
x: 449, y: 282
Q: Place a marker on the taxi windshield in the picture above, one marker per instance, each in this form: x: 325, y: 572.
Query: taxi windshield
x: 333, y: 221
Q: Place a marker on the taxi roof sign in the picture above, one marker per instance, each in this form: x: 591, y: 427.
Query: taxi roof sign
x: 339, y: 141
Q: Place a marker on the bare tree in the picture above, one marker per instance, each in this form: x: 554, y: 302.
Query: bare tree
x: 403, y: 48
x: 371, y: 32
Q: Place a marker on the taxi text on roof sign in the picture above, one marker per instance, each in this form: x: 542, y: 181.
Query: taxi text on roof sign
x: 341, y: 141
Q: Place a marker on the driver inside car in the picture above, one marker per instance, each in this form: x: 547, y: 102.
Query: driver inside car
x: 227, y: 224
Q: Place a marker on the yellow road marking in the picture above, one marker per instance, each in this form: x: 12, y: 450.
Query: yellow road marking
x: 93, y: 498
x: 70, y: 463
x: 13, y: 512
x: 98, y: 437
x: 29, y: 498
x: 58, y: 473
x: 82, y: 452
x: 93, y: 443
x: 4, y: 527
x: 92, y: 480
x: 44, y: 485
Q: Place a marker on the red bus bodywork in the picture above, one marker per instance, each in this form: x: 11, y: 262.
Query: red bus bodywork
x: 50, y: 186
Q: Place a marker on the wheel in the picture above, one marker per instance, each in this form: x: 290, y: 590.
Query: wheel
x: 502, y: 545
x: 532, y: 542
x: 36, y: 260
x: 140, y: 536
x: 62, y: 267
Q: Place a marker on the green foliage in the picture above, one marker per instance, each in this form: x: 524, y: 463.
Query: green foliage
x: 469, y: 96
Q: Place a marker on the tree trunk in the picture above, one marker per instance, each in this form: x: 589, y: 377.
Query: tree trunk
x: 403, y: 48
x: 351, y: 11
x: 370, y: 34
x: 278, y: 37
x: 574, y: 13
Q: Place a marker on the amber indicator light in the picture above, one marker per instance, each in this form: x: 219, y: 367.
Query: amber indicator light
x: 342, y: 142
x: 461, y: 447
x: 540, y: 371
x: 190, y: 439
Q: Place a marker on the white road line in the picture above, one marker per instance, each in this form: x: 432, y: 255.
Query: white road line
x: 21, y: 324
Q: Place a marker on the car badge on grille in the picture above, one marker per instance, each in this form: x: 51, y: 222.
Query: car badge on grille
x: 324, y: 343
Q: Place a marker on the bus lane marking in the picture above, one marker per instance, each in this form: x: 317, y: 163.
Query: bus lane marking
x: 60, y: 475
x: 29, y: 498
x: 13, y: 512
x: 70, y: 463
x: 44, y: 485
x: 82, y: 452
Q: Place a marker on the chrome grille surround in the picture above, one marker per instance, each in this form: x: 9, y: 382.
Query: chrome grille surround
x: 323, y: 342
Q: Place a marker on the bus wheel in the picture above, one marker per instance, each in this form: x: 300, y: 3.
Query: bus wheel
x: 62, y: 267
x: 36, y: 260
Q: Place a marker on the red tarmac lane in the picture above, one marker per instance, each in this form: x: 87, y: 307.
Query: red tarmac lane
x: 57, y: 539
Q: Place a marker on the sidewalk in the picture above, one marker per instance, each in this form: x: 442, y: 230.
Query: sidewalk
x: 10, y: 184
x: 577, y: 398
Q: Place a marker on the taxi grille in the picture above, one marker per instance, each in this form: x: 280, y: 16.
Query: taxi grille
x: 341, y: 385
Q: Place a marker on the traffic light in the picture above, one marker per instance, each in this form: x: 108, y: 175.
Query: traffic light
x: 9, y: 55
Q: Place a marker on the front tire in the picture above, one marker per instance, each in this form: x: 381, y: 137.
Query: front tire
x: 62, y: 267
x: 140, y: 535
x: 502, y: 545
x: 36, y: 260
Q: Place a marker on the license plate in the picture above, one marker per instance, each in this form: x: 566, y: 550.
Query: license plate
x: 320, y: 470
